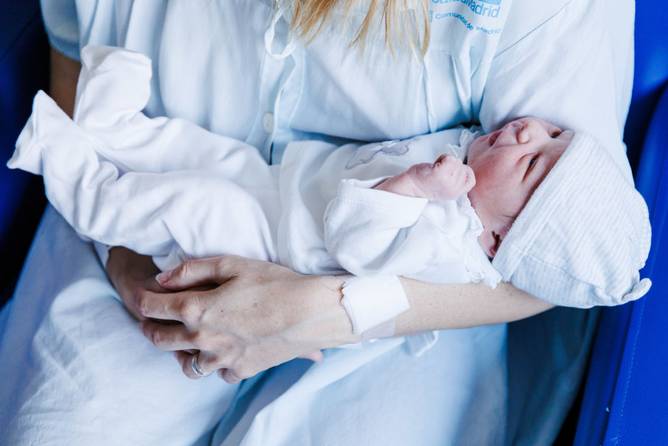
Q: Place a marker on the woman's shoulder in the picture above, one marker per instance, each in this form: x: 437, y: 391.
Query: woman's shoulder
x: 73, y: 24
x: 528, y: 17
x: 525, y: 16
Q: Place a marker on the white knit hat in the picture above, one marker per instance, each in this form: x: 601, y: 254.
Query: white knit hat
x: 583, y: 236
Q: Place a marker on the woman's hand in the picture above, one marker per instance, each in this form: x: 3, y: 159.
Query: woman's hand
x: 132, y: 275
x: 252, y: 316
x: 245, y: 316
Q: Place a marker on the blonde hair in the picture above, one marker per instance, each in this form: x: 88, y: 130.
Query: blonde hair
x: 309, y: 16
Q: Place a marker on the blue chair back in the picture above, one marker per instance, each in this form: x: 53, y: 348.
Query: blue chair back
x: 626, y: 396
x: 24, y: 62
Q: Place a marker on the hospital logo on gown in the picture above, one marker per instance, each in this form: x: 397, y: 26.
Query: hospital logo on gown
x: 482, y: 8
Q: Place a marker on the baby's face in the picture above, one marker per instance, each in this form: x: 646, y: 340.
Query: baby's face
x: 509, y: 164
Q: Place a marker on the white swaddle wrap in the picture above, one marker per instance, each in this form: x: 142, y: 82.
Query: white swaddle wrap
x: 170, y: 189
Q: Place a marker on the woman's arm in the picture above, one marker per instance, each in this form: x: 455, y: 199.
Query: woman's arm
x: 258, y: 314
x: 131, y: 274
x: 63, y: 80
x: 440, y: 306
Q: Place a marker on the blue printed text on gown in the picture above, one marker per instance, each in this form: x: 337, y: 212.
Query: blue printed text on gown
x: 479, y: 7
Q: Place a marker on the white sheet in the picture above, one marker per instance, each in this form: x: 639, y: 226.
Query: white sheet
x: 77, y: 370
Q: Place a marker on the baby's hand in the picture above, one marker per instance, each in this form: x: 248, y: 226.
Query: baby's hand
x: 446, y: 179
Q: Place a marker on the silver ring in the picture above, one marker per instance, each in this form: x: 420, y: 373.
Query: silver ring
x: 194, y: 365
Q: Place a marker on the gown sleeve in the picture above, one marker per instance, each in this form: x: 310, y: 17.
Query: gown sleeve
x: 574, y: 70
x: 72, y: 24
x: 62, y: 26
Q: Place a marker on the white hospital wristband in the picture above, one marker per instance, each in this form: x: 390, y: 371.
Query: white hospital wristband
x: 373, y: 302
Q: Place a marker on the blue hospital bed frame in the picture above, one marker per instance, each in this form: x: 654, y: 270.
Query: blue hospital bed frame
x: 625, y: 395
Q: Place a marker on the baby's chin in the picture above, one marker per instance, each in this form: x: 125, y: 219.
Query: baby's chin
x: 487, y: 245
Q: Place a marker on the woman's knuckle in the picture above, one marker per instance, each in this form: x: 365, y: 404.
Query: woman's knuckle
x: 185, y: 268
x: 227, y: 345
x: 220, y: 263
x: 215, y: 360
x: 189, y: 311
x: 205, y: 343
x: 197, y: 339
x: 156, y: 337
x: 142, y: 301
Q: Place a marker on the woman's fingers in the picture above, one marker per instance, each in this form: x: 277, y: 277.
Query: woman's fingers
x: 205, y: 363
x: 186, y: 306
x: 168, y: 337
x: 229, y: 376
x: 196, y: 272
x: 246, y: 324
x: 186, y: 361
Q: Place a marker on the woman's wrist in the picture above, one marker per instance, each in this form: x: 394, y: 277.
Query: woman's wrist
x: 322, y: 318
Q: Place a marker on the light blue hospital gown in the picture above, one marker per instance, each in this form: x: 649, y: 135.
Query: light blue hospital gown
x: 75, y: 369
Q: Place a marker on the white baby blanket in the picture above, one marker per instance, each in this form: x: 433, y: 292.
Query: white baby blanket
x: 170, y: 189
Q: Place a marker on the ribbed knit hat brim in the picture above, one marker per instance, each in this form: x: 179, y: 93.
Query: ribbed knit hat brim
x: 583, y: 236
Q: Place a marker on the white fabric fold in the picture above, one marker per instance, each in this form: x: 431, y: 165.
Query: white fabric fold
x: 371, y: 231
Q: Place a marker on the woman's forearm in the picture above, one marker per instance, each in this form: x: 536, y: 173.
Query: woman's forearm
x: 443, y: 306
x: 64, y: 74
x: 258, y: 314
x: 432, y: 306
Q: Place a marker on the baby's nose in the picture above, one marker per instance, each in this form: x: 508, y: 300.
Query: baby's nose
x: 523, y: 129
x: 530, y: 128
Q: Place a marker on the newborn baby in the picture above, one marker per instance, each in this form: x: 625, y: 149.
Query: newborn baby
x: 435, y: 233
x: 508, y: 163
x: 435, y: 207
x: 167, y: 188
x: 170, y: 189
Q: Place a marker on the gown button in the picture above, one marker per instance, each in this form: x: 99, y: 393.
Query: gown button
x: 268, y: 122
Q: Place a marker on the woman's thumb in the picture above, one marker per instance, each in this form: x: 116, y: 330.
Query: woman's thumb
x: 192, y: 273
